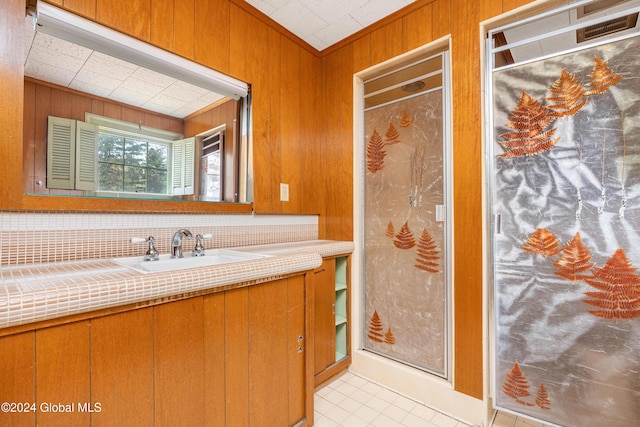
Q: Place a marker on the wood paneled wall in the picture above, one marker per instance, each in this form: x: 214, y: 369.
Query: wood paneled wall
x: 303, y: 112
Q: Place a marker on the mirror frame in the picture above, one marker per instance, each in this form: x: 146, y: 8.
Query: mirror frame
x: 11, y: 174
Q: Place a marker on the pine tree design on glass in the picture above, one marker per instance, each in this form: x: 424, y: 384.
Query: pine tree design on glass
x: 375, y: 328
x: 392, y: 135
x: 542, y: 398
x: 406, y: 119
x: 375, y: 332
x: 428, y: 253
x: 574, y: 260
x: 404, y: 239
x: 389, y: 338
x: 516, y: 385
x: 530, y: 121
x: 602, y: 77
x: 542, y: 242
x: 568, y: 95
x: 375, y: 153
x: 390, y: 231
x: 618, y: 295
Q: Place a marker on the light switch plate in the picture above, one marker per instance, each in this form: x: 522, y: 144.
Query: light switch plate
x: 284, y: 192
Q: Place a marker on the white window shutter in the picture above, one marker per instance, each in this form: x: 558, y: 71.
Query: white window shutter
x: 189, y: 165
x: 177, y: 171
x: 183, y: 167
x: 86, y: 156
x: 61, y: 153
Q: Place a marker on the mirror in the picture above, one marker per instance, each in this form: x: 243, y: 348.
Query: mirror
x: 142, y: 103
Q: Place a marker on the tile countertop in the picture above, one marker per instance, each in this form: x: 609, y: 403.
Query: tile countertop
x: 35, y: 292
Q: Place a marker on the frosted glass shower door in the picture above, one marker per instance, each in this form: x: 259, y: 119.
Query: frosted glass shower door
x: 565, y: 171
x: 405, y: 230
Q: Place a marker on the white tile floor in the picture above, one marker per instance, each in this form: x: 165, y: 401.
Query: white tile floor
x: 507, y: 420
x: 353, y: 401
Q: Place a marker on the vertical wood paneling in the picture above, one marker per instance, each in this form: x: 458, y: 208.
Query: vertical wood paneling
x: 162, y: 24
x: 184, y: 30
x: 122, y: 366
x: 29, y: 148
x: 268, y: 356
x: 236, y: 356
x: 417, y: 28
x: 508, y: 5
x: 63, y: 373
x: 79, y: 106
x: 441, y: 18
x: 239, y: 26
x: 290, y: 94
x: 212, y: 34
x: 298, y: 393
x: 250, y: 60
x: 362, y: 53
x: 179, y: 362
x: 333, y: 147
x: 86, y: 8
x: 386, y: 42
x: 467, y: 196
x: 214, y: 326
x: 313, y: 156
x: 43, y: 110
x: 345, y: 196
x: 132, y: 17
x: 273, y: 129
x: 17, y: 370
x: 132, y: 116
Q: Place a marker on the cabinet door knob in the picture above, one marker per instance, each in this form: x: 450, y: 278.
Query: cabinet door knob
x: 300, y: 350
x: 300, y: 338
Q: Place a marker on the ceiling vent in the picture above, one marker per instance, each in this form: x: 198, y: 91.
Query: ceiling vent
x: 606, y: 27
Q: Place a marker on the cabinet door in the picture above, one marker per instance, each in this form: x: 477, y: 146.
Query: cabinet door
x: 324, y: 297
x: 17, y: 377
x: 236, y: 350
x: 62, y: 375
x: 122, y: 368
x: 178, y: 360
x: 268, y: 355
x: 214, y: 360
x: 297, y: 349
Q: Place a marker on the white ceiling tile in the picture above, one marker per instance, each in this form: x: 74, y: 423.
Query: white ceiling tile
x: 89, y: 77
x: 61, y: 46
x: 339, y: 29
x: 375, y: 10
x: 56, y: 58
x: 141, y: 87
x: 87, y: 87
x: 164, y: 102
x: 332, y: 10
x: 117, y: 69
x: 308, y: 24
x: 153, y: 77
x: 128, y: 96
x: 47, y: 72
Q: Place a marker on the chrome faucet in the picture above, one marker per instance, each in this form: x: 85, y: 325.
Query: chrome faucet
x: 176, y: 242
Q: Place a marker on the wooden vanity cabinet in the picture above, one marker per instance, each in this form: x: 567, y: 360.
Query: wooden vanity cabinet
x: 331, y: 322
x: 235, y: 358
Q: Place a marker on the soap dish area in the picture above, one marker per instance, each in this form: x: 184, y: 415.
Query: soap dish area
x: 165, y: 263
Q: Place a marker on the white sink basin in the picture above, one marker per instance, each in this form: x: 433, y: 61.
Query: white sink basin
x: 166, y: 263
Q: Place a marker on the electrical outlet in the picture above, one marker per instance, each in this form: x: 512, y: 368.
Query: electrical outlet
x: 284, y: 192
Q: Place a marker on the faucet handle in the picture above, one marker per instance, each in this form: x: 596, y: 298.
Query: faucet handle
x: 152, y: 253
x: 198, y: 249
